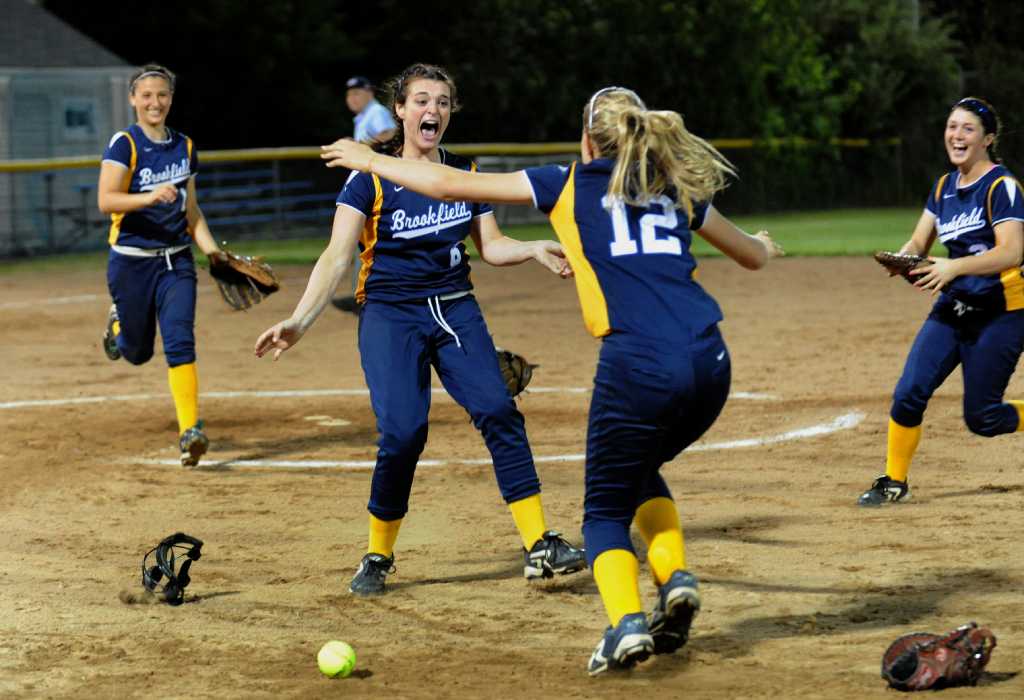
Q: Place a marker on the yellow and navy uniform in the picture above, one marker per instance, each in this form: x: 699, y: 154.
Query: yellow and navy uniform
x: 411, y: 245
x: 149, y: 165
x: 623, y: 254
x: 417, y: 312
x: 978, y: 320
x: 965, y: 221
x: 663, y: 373
x: 150, y: 271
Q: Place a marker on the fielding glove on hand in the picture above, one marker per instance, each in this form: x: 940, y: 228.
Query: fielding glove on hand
x: 922, y: 661
x: 243, y: 280
x: 515, y: 370
x: 900, y: 263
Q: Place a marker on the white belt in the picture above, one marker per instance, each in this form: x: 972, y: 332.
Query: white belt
x: 166, y: 253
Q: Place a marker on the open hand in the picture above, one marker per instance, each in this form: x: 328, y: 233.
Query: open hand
x: 278, y: 338
x: 346, y: 153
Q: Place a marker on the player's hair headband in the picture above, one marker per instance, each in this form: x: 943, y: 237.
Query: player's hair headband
x: 150, y: 74
x: 612, y: 88
x: 984, y: 112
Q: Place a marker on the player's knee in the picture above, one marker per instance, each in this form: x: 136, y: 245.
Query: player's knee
x: 984, y: 422
x: 137, y: 356
x: 907, y: 410
x: 407, y: 442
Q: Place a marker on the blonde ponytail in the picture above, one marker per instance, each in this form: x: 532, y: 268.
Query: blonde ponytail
x: 654, y: 152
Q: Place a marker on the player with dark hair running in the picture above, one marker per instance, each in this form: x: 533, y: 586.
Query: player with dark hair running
x: 625, y: 216
x: 418, y: 311
x: 147, y: 185
x: 976, y: 211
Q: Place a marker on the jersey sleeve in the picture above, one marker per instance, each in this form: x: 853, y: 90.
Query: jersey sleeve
x: 931, y: 205
x: 119, y: 150
x: 547, y: 183
x: 358, y: 193
x: 1005, y: 201
x: 700, y: 215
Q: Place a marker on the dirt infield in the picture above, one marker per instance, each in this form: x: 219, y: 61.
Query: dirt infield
x: 802, y: 590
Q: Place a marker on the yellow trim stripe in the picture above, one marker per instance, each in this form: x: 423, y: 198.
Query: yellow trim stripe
x: 115, y: 218
x: 563, y: 220
x: 369, y: 238
x: 1011, y: 279
x: 938, y: 187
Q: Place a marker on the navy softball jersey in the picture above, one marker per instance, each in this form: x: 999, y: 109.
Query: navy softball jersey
x: 148, y: 165
x: 663, y: 373
x: 978, y: 320
x: 417, y: 312
x: 411, y: 245
x: 151, y: 273
x: 965, y: 220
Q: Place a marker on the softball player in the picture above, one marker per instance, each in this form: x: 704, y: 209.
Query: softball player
x: 625, y: 216
x: 147, y: 185
x: 418, y: 311
x: 976, y: 211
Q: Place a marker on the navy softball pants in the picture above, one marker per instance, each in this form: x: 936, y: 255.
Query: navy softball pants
x: 988, y: 346
x: 398, y: 344
x: 650, y: 402
x: 154, y: 291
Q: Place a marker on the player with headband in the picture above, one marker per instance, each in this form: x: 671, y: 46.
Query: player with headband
x: 977, y: 322
x: 625, y: 214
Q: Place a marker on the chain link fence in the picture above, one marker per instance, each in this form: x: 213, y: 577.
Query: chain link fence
x: 49, y: 206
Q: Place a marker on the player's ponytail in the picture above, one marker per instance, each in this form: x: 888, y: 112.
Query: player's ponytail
x: 654, y: 152
x: 397, y: 92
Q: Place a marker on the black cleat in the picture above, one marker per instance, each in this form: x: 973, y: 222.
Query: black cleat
x: 678, y: 603
x: 552, y: 554
x: 369, y: 578
x: 109, y: 337
x: 884, y: 490
x: 194, y: 444
x: 622, y: 646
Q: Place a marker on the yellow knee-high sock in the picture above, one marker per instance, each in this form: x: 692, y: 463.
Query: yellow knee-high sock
x: 184, y: 383
x: 528, y: 514
x: 902, y: 444
x: 658, y: 523
x: 1019, y: 405
x: 115, y: 328
x: 383, y: 534
x: 617, y: 573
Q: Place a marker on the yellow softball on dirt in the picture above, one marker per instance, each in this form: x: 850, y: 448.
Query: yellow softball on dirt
x: 336, y: 659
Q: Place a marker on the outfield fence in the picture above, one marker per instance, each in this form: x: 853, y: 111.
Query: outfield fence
x: 49, y: 206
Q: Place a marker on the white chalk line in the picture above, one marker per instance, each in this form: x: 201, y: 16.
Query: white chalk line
x: 845, y: 421
x: 81, y: 298
x: 299, y: 393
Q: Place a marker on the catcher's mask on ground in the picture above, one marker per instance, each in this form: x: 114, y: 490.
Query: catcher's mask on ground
x: 160, y: 578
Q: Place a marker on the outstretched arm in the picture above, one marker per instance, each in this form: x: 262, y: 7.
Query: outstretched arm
x: 499, y: 250
x: 327, y: 272
x: 752, y: 252
x: 197, y: 225
x: 431, y: 179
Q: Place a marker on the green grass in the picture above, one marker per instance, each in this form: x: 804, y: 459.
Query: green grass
x: 835, y: 232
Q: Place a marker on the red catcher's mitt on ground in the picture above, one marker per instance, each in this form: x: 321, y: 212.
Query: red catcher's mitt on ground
x: 923, y: 661
x: 900, y: 263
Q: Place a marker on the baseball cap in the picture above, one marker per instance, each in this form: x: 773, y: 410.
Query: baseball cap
x: 358, y: 81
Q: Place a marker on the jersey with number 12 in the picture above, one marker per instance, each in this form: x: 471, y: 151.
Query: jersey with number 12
x: 633, y: 267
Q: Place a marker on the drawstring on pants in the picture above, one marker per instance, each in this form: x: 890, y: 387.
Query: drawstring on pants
x: 439, y: 317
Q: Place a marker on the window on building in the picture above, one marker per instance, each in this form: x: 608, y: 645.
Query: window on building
x: 79, y: 118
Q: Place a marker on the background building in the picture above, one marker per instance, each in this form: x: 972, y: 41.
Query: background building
x: 61, y: 94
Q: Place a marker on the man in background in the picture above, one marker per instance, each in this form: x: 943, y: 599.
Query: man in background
x: 373, y: 123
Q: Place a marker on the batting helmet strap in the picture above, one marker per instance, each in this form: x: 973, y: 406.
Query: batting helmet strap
x: 160, y: 577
